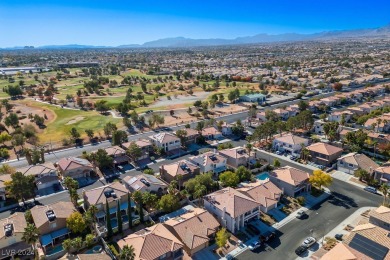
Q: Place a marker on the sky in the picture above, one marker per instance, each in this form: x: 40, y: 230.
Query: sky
x: 117, y: 22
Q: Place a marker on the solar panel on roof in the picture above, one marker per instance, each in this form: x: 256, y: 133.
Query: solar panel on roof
x: 368, y: 247
x: 132, y: 180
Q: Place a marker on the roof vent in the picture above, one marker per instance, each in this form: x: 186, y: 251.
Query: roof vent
x: 145, y: 182
x: 113, y: 194
x: 8, y: 229
x: 50, y: 215
x: 108, y: 193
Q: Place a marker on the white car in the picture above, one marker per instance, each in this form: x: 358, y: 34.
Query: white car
x: 309, y: 241
x: 254, y: 245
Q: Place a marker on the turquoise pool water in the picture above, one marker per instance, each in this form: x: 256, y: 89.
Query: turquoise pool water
x: 54, y: 250
x: 262, y: 176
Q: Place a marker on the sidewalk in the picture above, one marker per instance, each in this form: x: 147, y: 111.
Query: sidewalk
x: 342, y: 176
x: 352, y: 220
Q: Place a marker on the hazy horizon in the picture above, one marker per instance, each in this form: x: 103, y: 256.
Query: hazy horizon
x: 119, y: 22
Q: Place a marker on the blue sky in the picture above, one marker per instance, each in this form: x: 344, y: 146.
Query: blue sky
x: 116, y: 22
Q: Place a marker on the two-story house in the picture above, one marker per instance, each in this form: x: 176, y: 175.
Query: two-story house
x: 45, y: 174
x: 232, y: 208
x: 111, y: 194
x: 181, y: 171
x: 324, y: 154
x: 211, y: 133
x: 209, y: 162
x: 339, y: 115
x: 290, y: 180
x: 382, y: 174
x: 75, y: 167
x: 155, y: 242
x: 290, y: 143
x: 380, y: 217
x: 50, y: 221
x: 192, y: 136
x: 166, y: 141
x: 118, y: 154
x: 145, y: 145
x: 145, y: 183
x: 11, y: 233
x: 351, y: 162
x: 237, y: 156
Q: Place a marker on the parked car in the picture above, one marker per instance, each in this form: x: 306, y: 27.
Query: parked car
x: 252, y: 228
x: 370, y: 189
x: 229, y: 257
x: 254, y: 245
x: 278, y: 152
x: 309, y: 241
x: 267, y: 236
x: 300, y: 250
x: 301, y: 214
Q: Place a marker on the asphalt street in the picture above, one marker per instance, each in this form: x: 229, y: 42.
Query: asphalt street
x: 344, y: 200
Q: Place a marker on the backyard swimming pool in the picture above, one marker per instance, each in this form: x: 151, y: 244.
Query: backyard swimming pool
x: 262, y: 176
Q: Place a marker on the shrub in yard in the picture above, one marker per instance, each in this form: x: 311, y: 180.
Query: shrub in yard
x: 301, y: 200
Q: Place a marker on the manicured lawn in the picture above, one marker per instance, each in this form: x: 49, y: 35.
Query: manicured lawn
x: 59, y: 128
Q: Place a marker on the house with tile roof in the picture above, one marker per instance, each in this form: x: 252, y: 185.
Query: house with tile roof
x: 118, y: 155
x: 75, y: 167
x: 166, y: 141
x: 50, y: 220
x: 290, y: 143
x: 145, y: 183
x: 181, y: 171
x: 144, y: 144
x: 351, y: 162
x: 324, y: 154
x: 195, y: 229
x: 45, y: 174
x: 11, y: 233
x: 237, y: 156
x: 343, y: 252
x: 209, y: 162
x: 232, y: 208
x: 264, y: 192
x: 110, y: 194
x: 290, y: 180
x: 380, y: 217
x: 211, y: 133
x: 192, y: 136
x: 382, y: 174
x: 155, y: 242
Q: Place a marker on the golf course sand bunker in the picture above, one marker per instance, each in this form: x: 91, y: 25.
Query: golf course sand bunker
x: 74, y: 121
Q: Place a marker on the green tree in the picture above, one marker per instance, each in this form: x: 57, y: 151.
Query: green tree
x: 385, y: 191
x: 6, y: 169
x: 229, y: 179
x: 127, y: 253
x: 76, y: 223
x: 89, y: 240
x: 149, y: 199
x: 20, y: 187
x: 119, y: 137
x: 119, y: 218
x: 362, y: 174
x: 74, y: 133
x: 243, y: 173
x: 182, y: 134
x: 134, y: 151
x: 4, y: 137
x: 108, y: 221
x: 222, y: 237
x: 169, y: 203
x: 102, y: 158
x: 276, y: 163
x: 89, y: 133
x: 12, y: 120
x: 129, y: 210
x: 30, y: 235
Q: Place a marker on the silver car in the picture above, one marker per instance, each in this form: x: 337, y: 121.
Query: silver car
x: 309, y: 241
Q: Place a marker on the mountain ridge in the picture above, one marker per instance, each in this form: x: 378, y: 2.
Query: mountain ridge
x: 180, y: 42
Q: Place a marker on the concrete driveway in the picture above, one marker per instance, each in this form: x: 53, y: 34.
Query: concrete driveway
x: 277, y: 214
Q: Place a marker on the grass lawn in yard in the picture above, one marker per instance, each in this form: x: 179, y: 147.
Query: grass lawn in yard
x: 65, y: 119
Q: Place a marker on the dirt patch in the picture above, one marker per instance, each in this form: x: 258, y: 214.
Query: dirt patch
x: 74, y: 121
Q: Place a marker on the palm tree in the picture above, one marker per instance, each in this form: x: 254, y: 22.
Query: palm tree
x: 385, y: 190
x: 30, y: 235
x: 127, y: 253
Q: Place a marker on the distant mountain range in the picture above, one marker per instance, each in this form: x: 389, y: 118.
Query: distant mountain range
x: 181, y: 42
